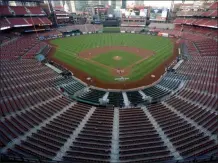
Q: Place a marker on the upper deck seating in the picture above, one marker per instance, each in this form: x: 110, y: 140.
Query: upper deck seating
x: 19, y: 10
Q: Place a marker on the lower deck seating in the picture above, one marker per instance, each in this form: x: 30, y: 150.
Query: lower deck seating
x: 28, y: 119
x: 135, y: 98
x: 187, y: 139
x: 73, y: 88
x: 18, y: 47
x: 35, y: 50
x: 170, y: 84
x: 155, y: 93
x: 174, y: 76
x: 93, y: 96
x: 202, y: 98
x: 94, y: 141
x: 205, y: 118
x: 63, y: 81
x: 4, y: 39
x: 25, y: 83
x: 116, y: 99
x: 139, y: 141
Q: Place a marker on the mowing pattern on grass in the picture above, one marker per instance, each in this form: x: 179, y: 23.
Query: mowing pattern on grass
x: 109, y: 59
x: 69, y: 48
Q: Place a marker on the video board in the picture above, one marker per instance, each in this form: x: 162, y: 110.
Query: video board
x: 157, y: 14
x: 135, y: 12
x: 101, y: 10
x: 143, y: 12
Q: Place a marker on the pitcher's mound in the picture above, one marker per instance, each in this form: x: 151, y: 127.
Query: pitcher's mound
x: 117, y: 58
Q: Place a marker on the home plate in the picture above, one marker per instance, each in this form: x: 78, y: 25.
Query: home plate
x: 153, y: 76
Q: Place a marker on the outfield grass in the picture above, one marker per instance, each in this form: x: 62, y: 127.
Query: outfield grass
x: 125, y: 60
x: 69, y: 47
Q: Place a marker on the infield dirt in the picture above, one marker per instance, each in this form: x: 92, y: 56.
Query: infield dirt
x: 117, y: 58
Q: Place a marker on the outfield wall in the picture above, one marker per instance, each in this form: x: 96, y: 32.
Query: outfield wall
x: 111, y: 30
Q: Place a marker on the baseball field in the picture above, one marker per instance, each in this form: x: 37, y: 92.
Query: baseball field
x: 108, y: 56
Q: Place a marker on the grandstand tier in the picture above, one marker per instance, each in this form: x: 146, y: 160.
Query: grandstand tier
x: 22, y: 16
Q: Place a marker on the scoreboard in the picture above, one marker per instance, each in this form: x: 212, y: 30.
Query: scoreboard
x: 135, y: 12
x: 158, y: 14
x: 101, y: 12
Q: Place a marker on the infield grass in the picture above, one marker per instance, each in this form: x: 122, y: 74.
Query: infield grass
x: 124, y: 59
x: 69, y: 47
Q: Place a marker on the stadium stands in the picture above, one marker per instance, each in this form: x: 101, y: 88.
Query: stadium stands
x: 86, y: 28
x: 135, y: 97
x: 93, y: 95
x: 116, y: 99
x: 35, y: 10
x: 214, y: 6
x: 15, y: 22
x: 131, y: 29
x: 194, y: 143
x: 19, y: 16
x: 4, y: 39
x: 139, y: 141
x: 34, y: 21
x: 4, y: 24
x: 196, y: 22
x: 20, y: 47
x: 94, y: 141
x: 199, y: 22
x: 4, y: 10
x: 62, y: 16
x: 19, y: 10
x: 132, y: 25
x: 167, y: 85
x: 134, y: 22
